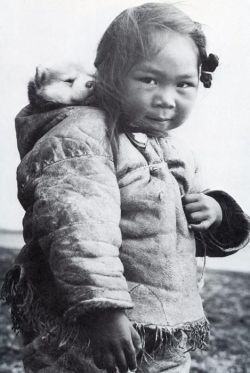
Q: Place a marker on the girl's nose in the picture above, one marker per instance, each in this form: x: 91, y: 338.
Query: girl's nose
x: 165, y: 99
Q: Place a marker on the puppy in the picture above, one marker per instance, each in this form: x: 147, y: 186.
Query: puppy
x: 60, y: 86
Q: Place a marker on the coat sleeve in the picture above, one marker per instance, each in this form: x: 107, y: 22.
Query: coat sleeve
x: 234, y: 231
x: 68, y: 186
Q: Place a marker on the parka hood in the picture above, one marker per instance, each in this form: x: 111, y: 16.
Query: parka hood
x: 32, y: 125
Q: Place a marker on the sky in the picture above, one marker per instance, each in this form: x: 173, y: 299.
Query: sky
x: 46, y: 32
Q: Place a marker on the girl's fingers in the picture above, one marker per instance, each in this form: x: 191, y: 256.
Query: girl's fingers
x: 192, y: 207
x: 136, y: 339
x: 112, y: 370
x: 203, y: 226
x: 110, y: 363
x: 190, y: 198
x: 130, y: 355
x: 105, y: 360
x: 98, y: 359
x: 120, y: 359
x: 197, y: 217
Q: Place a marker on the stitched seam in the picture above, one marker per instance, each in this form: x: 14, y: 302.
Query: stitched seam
x: 78, y: 156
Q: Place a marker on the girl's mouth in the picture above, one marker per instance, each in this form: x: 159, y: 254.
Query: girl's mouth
x: 158, y: 119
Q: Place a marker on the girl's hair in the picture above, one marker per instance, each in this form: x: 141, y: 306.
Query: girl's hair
x: 128, y: 39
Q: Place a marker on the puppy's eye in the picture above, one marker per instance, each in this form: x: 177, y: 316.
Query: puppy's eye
x: 69, y: 81
x: 89, y: 84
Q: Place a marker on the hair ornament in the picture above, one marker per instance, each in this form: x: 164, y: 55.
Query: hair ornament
x: 208, y: 66
x: 210, y: 63
x: 206, y: 78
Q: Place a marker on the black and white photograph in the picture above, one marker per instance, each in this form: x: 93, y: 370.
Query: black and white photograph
x: 124, y: 194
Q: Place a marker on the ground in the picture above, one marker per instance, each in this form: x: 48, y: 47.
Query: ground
x: 227, y: 304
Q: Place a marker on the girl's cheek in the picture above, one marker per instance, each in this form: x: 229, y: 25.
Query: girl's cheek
x: 189, y: 100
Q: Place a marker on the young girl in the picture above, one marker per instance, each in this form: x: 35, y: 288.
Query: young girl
x: 115, y: 213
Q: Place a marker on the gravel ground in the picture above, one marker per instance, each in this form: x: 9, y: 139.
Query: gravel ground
x: 227, y: 304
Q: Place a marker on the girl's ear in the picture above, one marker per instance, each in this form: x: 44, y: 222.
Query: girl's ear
x: 41, y: 75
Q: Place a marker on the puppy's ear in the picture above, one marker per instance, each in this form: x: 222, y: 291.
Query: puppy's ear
x: 41, y: 75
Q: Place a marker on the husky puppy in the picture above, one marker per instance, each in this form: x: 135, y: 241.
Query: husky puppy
x: 60, y: 86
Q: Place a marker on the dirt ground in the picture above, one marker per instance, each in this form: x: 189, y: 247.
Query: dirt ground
x: 227, y: 305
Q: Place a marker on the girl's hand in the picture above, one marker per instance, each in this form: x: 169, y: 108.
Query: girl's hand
x: 114, y: 341
x: 202, y: 211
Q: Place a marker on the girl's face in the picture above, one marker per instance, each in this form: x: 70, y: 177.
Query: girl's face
x: 159, y: 92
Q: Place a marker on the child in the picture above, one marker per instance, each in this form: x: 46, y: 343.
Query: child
x: 115, y: 212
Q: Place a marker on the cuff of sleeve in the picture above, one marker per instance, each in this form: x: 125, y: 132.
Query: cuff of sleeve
x: 94, y: 306
x: 234, y: 230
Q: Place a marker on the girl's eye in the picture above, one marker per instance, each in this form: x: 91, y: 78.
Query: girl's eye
x: 185, y: 85
x: 149, y: 81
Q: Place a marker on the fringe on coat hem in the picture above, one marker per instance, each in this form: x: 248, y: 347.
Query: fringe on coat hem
x: 30, y: 314
x: 171, y: 338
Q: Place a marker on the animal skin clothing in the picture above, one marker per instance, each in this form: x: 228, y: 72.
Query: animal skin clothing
x: 176, y: 360
x: 99, y: 236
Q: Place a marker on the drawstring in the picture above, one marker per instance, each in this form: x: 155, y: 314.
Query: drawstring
x: 201, y: 281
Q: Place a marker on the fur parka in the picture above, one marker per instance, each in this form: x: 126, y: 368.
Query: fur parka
x: 100, y: 236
